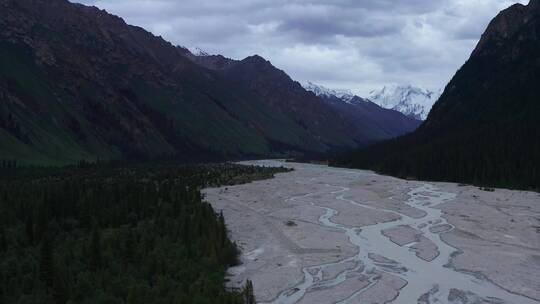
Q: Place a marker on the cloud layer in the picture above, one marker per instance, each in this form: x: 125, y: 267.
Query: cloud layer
x: 344, y: 44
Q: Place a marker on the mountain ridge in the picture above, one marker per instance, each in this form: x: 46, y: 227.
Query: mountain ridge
x: 407, y: 99
x: 321, y: 91
x: 375, y: 122
x: 82, y: 84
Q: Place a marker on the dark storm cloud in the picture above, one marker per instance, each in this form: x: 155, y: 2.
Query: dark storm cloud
x: 357, y: 44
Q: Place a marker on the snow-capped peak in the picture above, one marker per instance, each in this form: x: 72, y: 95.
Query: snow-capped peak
x: 409, y: 100
x: 199, y: 52
x: 319, y: 90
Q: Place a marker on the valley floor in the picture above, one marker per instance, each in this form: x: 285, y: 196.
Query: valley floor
x: 328, y: 235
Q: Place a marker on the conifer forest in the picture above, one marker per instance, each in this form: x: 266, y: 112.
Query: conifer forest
x: 117, y: 234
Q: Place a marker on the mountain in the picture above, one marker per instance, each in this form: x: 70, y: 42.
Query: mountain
x: 373, y: 122
x: 321, y: 91
x: 485, y: 128
x: 78, y: 83
x: 411, y: 101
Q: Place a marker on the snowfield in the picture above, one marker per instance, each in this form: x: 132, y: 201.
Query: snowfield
x: 411, y: 101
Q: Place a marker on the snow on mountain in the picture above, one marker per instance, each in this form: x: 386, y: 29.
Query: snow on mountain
x: 373, y: 121
x: 411, y: 101
x: 319, y: 90
x: 199, y: 52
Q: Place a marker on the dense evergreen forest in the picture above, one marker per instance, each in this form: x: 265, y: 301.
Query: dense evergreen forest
x: 117, y: 234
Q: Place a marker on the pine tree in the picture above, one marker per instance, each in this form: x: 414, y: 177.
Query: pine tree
x: 60, y: 288
x: 29, y: 226
x: 249, y: 297
x: 3, y: 240
x: 129, y: 247
x: 95, y: 248
x: 46, y: 264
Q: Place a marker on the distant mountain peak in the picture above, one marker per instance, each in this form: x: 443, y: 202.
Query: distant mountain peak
x: 256, y: 59
x: 319, y: 90
x: 371, y: 120
x: 199, y: 52
x: 412, y: 101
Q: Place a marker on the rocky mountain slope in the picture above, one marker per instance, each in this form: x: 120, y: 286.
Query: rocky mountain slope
x: 485, y: 127
x: 324, y: 92
x: 409, y: 100
x: 375, y: 123
x: 78, y: 83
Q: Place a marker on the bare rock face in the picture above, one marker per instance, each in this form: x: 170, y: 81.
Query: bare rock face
x: 503, y: 26
x: 507, y: 23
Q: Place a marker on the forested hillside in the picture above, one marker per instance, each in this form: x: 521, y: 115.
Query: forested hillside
x: 485, y: 128
x: 123, y: 234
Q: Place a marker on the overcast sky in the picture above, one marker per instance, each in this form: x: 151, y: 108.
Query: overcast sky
x: 343, y: 44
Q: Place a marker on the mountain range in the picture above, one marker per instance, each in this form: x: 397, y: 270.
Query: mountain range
x: 409, y: 100
x: 324, y: 92
x: 415, y: 102
x: 375, y: 123
x: 485, y: 127
x: 77, y: 83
